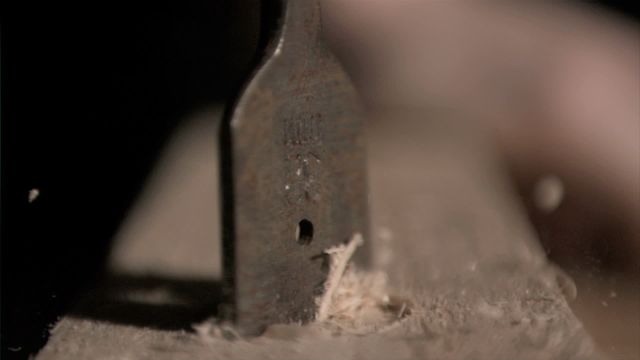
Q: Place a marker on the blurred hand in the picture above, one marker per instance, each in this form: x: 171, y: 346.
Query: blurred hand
x: 558, y: 84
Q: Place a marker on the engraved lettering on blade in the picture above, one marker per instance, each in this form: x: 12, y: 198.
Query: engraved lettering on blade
x: 303, y: 130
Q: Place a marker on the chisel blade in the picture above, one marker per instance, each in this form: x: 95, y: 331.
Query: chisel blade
x: 294, y: 175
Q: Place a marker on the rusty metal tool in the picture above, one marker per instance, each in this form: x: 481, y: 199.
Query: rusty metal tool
x: 294, y: 183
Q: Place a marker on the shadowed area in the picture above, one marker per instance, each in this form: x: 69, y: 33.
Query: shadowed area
x: 151, y: 302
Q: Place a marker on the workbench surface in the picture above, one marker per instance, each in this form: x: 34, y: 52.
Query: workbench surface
x: 446, y: 229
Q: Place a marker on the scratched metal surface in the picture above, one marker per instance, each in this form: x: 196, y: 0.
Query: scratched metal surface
x: 295, y: 180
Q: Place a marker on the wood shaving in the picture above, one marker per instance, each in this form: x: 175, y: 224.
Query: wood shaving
x: 354, y: 301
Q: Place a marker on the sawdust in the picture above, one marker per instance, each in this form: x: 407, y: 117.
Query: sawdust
x: 339, y: 259
x: 33, y: 195
x: 355, y: 302
x: 466, y: 320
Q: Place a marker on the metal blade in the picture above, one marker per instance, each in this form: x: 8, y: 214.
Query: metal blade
x: 294, y: 162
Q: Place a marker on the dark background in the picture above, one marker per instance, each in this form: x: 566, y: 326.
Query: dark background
x: 90, y: 94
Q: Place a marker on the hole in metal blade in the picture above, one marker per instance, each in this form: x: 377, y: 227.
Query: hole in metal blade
x: 304, y: 232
